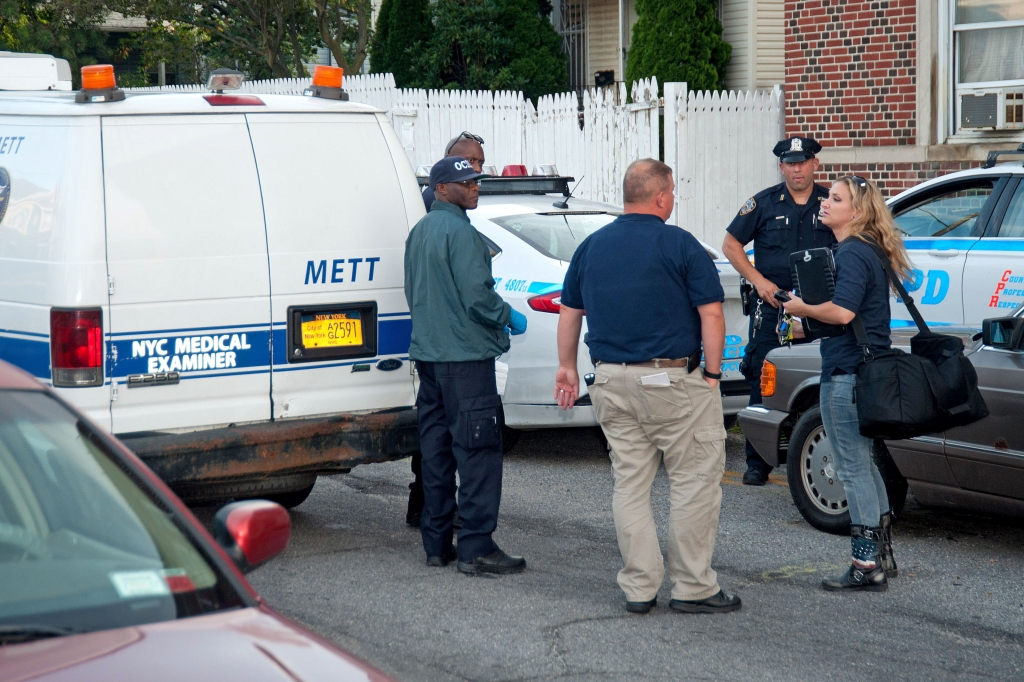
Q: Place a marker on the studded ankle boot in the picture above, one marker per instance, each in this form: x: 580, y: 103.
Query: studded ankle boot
x: 886, y: 559
x: 864, y: 573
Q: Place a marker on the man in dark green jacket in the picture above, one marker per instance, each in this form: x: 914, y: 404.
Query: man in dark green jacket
x: 458, y: 327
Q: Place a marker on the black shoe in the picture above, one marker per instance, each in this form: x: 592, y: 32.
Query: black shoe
x: 873, y: 580
x: 413, y: 519
x: 754, y: 477
x: 885, y: 556
x: 495, y: 562
x: 641, y: 606
x: 442, y: 561
x: 716, y: 603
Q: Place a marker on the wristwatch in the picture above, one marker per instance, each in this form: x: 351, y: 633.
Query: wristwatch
x: 712, y: 375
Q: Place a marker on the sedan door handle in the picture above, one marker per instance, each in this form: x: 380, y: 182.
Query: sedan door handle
x: 944, y: 253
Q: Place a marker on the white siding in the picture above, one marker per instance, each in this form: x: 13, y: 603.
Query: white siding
x: 603, y: 38
x: 770, y: 31
x: 735, y: 31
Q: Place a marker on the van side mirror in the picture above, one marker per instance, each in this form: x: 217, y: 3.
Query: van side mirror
x: 252, y: 531
x: 1006, y: 333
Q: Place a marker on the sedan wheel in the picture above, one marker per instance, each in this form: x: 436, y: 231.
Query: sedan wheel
x: 816, y: 489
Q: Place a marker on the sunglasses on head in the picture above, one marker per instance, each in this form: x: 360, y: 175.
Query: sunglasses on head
x: 464, y: 135
x: 859, y: 181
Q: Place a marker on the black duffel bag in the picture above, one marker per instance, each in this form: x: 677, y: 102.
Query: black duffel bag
x: 931, y: 389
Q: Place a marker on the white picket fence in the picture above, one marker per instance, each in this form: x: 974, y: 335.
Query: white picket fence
x: 718, y: 144
x: 720, y: 147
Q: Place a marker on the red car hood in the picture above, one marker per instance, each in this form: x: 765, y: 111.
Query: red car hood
x: 248, y: 644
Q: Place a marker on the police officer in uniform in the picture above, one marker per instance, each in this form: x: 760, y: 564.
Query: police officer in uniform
x: 780, y: 220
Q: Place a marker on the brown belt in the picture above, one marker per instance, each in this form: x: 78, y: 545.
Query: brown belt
x: 657, y: 363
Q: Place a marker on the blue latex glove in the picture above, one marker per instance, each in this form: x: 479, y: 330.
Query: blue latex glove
x: 516, y: 323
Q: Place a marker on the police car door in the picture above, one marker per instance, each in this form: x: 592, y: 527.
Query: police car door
x: 994, y: 277
x: 337, y: 221
x: 939, y: 224
x: 187, y: 257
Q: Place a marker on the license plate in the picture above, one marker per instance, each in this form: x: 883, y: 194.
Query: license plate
x: 330, y: 330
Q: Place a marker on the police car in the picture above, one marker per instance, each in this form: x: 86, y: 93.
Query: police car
x: 216, y: 278
x: 533, y: 227
x: 964, y: 233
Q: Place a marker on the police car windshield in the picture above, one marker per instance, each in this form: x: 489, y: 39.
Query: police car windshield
x: 82, y: 545
x: 556, y: 235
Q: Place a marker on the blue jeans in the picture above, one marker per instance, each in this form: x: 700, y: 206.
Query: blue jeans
x: 865, y: 490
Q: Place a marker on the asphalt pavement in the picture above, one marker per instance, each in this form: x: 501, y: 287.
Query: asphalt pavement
x: 355, y: 573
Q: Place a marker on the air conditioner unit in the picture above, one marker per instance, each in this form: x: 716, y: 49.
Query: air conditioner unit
x: 992, y: 109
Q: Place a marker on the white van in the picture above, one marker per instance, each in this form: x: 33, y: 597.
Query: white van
x: 215, y: 278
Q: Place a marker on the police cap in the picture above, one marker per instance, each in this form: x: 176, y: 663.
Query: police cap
x: 796, y: 149
x: 453, y: 169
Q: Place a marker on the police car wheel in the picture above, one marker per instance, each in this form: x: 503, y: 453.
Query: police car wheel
x: 817, y: 492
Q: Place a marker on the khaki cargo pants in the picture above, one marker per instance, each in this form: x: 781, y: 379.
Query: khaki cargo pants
x: 682, y: 423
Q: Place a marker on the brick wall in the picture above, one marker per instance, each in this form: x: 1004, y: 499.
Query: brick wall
x: 892, y: 178
x: 850, y: 71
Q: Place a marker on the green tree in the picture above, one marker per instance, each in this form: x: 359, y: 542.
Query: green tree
x: 62, y: 28
x: 492, y: 45
x: 401, y: 24
x: 678, y: 41
x: 344, y: 27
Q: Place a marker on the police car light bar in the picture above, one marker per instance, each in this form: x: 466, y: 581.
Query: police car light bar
x: 424, y: 172
x: 99, y: 85
x: 545, y: 170
x: 524, y: 184
x: 224, y: 79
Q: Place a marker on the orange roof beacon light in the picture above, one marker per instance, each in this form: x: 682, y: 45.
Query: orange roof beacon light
x: 220, y: 80
x: 99, y: 85
x: 327, y: 83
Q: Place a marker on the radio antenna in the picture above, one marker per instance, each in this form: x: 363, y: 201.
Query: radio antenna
x: 564, y: 203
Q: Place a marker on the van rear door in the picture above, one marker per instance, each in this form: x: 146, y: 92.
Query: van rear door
x: 190, y: 288
x: 336, y: 230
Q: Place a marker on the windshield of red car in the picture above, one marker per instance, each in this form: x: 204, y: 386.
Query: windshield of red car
x: 83, y: 546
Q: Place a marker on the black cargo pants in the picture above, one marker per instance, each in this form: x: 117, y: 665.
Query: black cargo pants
x: 460, y: 421
x: 758, y: 345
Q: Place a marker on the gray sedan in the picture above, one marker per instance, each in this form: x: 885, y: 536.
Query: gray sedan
x: 977, y: 467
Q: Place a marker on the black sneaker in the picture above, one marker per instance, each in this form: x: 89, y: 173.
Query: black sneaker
x: 717, y: 603
x: 495, y: 562
x: 855, y: 579
x: 641, y: 606
x: 754, y: 477
x: 442, y: 561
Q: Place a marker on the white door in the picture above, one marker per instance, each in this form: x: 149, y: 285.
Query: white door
x: 939, y: 225
x: 336, y: 230
x: 994, y: 279
x: 190, y: 294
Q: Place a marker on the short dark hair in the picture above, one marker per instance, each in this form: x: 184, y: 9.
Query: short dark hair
x: 645, y: 178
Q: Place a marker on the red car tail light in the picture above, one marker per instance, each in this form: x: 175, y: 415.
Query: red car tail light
x: 76, y: 347
x: 546, y: 303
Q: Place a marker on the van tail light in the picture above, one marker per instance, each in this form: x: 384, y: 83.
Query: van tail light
x: 76, y: 347
x: 546, y: 303
x: 767, y: 379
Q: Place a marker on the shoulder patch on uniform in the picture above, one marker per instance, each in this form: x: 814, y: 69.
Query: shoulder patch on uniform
x: 748, y: 207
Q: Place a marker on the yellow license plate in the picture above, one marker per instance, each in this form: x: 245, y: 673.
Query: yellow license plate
x: 330, y: 330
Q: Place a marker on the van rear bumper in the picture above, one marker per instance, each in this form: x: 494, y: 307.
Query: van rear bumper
x: 280, y: 448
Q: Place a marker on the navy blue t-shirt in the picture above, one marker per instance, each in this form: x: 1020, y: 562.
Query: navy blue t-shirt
x: 640, y: 282
x: 862, y: 288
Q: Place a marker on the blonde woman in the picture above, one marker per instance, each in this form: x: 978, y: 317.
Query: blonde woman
x: 856, y: 213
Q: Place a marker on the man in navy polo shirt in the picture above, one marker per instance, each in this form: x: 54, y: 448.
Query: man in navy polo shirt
x: 652, y: 299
